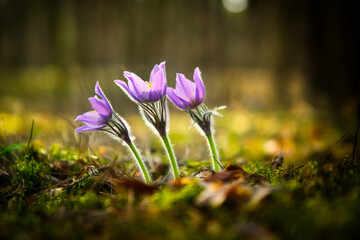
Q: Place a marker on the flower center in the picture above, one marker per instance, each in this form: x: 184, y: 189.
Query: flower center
x: 149, y: 84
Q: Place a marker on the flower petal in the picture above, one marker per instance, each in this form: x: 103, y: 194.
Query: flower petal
x: 186, y: 102
x: 126, y: 89
x: 155, y: 70
x: 185, y: 88
x: 171, y: 93
x: 159, y: 83
x: 101, y: 107
x: 145, y: 96
x: 86, y: 128
x: 162, y: 65
x: 200, y: 87
x: 136, y: 84
x: 91, y: 119
x: 154, y: 96
x: 99, y: 92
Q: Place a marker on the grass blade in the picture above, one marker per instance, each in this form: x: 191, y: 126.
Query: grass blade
x: 11, y: 147
x: 31, y: 133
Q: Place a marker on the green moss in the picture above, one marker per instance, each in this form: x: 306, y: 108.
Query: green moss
x: 168, y: 197
x: 314, y: 197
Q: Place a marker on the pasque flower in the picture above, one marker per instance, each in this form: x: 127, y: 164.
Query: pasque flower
x: 151, y: 98
x: 100, y: 116
x: 104, y: 118
x: 142, y: 91
x: 189, y: 96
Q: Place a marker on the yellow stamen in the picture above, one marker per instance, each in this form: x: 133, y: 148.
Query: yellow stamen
x: 150, y: 84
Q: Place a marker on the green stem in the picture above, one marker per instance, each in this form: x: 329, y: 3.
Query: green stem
x: 140, y: 162
x: 214, y: 153
x: 169, y: 149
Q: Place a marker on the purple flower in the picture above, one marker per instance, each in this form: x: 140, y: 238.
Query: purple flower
x: 142, y: 91
x: 187, y: 94
x: 101, y: 115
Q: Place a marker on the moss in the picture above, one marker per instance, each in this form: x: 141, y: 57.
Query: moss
x: 168, y: 197
x: 50, y: 193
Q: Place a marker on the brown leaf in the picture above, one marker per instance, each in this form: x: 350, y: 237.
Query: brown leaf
x: 137, y: 186
x: 181, y: 182
x: 231, y: 173
x: 223, y: 176
x: 254, y: 231
x: 216, y: 193
x: 259, y: 194
x: 203, y: 173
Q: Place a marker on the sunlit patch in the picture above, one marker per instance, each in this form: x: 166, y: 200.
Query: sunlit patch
x: 10, y: 124
x: 271, y: 146
x: 235, y: 6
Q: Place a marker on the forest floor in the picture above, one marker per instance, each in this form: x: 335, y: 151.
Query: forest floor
x: 285, y: 176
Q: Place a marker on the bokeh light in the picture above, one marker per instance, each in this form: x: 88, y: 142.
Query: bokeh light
x: 235, y: 6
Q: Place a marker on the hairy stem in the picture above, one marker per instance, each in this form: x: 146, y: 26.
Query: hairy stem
x: 172, y: 159
x: 140, y: 162
x: 198, y: 111
x: 213, y: 152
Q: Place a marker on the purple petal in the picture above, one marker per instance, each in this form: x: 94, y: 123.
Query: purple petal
x: 125, y: 88
x: 86, y: 128
x: 200, y: 87
x: 91, y: 119
x: 185, y: 88
x: 171, y: 93
x: 156, y: 69
x: 145, y: 97
x: 136, y: 84
x: 99, y: 92
x: 101, y: 107
x: 162, y: 65
x: 153, y: 72
x: 159, y: 83
x: 133, y: 89
x: 154, y: 96
x: 186, y: 102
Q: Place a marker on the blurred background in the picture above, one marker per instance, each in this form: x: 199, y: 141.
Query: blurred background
x: 255, y: 56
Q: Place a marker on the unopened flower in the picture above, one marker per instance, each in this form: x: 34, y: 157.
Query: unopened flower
x: 187, y: 94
